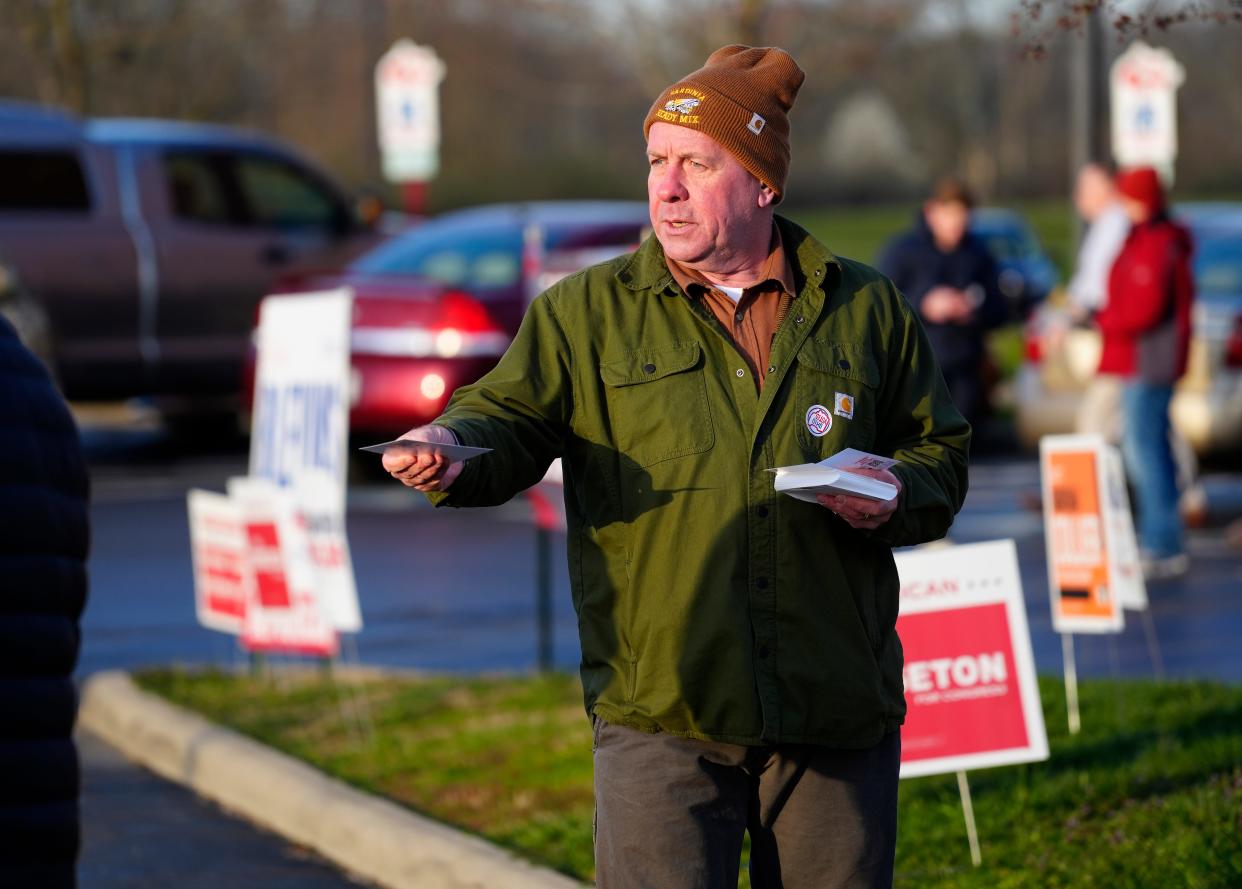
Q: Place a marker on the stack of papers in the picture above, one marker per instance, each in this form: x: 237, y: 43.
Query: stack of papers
x: 833, y: 476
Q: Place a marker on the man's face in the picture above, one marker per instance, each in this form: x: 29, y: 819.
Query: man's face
x: 1093, y: 192
x: 1137, y: 211
x: 705, y: 206
x: 948, y: 221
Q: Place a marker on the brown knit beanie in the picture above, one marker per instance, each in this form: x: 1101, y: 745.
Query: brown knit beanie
x: 741, y: 98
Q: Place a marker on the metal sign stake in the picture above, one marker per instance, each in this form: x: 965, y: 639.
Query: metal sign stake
x: 1071, y: 682
x: 968, y: 812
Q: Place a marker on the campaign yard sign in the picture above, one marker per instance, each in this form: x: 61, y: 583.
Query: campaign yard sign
x: 1081, y: 514
x: 971, y: 694
x: 284, y: 612
x: 300, y: 430
x: 218, y: 551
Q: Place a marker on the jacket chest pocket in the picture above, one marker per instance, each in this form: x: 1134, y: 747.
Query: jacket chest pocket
x: 657, y: 403
x: 836, y: 387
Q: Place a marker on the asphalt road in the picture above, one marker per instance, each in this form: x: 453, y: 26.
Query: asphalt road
x: 454, y: 590
x: 141, y: 832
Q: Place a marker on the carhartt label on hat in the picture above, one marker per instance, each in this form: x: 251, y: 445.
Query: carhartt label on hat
x: 756, y: 124
x: 679, y: 109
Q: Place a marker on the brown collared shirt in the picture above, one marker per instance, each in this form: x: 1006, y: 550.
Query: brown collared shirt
x: 753, y: 320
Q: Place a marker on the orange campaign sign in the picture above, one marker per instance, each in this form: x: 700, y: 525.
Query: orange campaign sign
x: 1082, y: 577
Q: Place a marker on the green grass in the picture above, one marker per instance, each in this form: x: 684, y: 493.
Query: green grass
x: 1148, y: 795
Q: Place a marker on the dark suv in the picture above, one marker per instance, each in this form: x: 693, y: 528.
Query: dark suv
x: 148, y: 243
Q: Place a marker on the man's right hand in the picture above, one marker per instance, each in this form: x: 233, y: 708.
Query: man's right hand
x: 945, y: 305
x: 424, y: 472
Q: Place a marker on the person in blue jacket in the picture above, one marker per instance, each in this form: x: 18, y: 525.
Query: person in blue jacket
x: 952, y: 281
x: 43, y: 546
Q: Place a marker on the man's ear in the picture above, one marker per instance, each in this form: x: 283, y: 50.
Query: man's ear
x: 767, y: 197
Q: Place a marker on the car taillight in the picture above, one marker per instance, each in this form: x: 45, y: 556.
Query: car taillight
x: 1233, y: 346
x: 461, y: 312
x: 460, y: 328
x: 1034, y: 347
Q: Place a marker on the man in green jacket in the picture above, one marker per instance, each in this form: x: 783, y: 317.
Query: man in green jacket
x: 739, y: 658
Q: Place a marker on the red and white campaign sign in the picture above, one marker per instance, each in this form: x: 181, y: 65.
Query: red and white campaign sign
x: 218, y: 550
x: 284, y: 612
x: 971, y: 696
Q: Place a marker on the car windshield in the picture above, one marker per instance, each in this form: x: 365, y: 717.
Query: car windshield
x: 1218, y: 266
x: 486, y: 257
x: 479, y: 258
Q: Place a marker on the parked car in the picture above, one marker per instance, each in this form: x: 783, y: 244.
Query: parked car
x: 1027, y: 275
x: 149, y: 243
x: 436, y: 307
x: 1207, y: 402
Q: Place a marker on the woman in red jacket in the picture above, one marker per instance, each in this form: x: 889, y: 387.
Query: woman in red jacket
x: 1146, y: 333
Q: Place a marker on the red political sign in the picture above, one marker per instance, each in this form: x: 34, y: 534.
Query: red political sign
x: 971, y: 694
x: 285, y: 612
x: 218, y: 550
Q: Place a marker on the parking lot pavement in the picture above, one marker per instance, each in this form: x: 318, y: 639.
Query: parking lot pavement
x: 1197, y: 619
x: 141, y: 832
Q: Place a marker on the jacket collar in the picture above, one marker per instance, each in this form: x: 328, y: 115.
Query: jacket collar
x: 646, y: 268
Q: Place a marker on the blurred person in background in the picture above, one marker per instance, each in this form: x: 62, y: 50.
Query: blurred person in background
x: 43, y: 548
x: 1108, y: 225
x: 740, y: 661
x: 952, y: 280
x: 1145, y: 326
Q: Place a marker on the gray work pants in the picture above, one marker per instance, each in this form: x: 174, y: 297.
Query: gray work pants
x: 671, y: 813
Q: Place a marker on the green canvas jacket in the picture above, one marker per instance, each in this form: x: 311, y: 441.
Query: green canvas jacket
x: 708, y: 605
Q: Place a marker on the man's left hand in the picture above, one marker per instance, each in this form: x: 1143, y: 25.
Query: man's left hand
x: 859, y: 512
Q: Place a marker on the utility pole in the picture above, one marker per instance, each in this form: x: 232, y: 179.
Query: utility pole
x: 1086, y: 103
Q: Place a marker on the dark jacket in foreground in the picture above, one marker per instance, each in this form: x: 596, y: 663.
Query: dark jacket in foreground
x: 1145, y: 326
x: 916, y: 265
x: 709, y: 606
x: 43, y: 546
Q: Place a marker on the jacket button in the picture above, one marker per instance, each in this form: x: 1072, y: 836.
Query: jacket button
x: 799, y: 320
x: 772, y: 369
x: 761, y: 511
x: 761, y: 582
x: 648, y: 368
x: 740, y: 372
x: 843, y: 364
x: 763, y: 652
x: 738, y: 317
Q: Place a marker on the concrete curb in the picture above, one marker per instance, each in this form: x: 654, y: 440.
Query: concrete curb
x: 366, y: 835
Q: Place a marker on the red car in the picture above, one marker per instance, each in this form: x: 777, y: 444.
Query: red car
x: 436, y: 306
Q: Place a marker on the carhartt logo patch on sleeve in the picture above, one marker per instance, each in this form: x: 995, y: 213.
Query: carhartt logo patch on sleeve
x: 818, y: 420
x: 844, y: 406
x: 756, y: 124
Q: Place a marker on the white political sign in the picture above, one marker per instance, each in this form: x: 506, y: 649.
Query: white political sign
x: 1144, y: 83
x: 407, y: 95
x: 300, y: 429
x: 285, y: 611
x: 1120, y: 539
x: 218, y: 551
